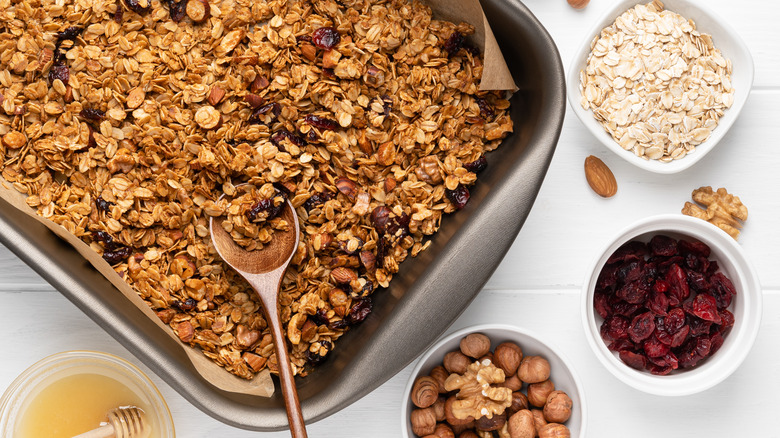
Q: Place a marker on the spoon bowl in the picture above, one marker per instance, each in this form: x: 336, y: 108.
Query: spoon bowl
x: 264, y: 269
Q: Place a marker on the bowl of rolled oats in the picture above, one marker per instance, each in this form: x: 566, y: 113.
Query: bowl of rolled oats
x: 124, y: 123
x: 660, y: 83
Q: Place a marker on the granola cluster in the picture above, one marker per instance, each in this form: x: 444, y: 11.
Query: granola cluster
x: 251, y: 215
x: 125, y: 122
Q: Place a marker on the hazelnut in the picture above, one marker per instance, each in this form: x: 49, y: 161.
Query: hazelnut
x: 347, y: 187
x: 538, y: 392
x: 514, y: 383
x: 443, y: 431
x: 438, y: 409
x: 534, y: 369
x: 451, y: 418
x: 468, y: 434
x: 554, y: 430
x: 507, y: 356
x: 539, y: 420
x: 519, y: 403
x: 425, y: 392
x: 439, y: 374
x: 521, y: 425
x: 456, y: 362
x: 488, y: 356
x: 465, y: 430
x: 475, y: 345
x: 423, y: 421
x: 495, y: 422
x: 558, y: 407
x: 578, y: 4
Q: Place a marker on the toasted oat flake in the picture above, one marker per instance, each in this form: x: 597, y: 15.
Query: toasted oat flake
x: 173, y: 131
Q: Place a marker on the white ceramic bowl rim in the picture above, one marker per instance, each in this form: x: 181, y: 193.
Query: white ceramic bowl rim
x: 725, y: 38
x: 738, y: 342
x: 481, y: 328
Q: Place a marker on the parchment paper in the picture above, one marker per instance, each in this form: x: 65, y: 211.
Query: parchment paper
x: 495, y: 76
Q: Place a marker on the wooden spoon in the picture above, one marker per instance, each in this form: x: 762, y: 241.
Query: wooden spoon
x: 264, y: 269
x: 123, y: 422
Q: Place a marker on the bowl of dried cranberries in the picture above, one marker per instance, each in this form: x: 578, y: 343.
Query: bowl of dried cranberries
x: 672, y: 305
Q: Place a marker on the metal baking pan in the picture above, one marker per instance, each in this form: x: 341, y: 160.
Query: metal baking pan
x: 425, y: 297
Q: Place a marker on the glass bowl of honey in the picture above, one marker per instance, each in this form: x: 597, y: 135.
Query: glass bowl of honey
x: 70, y: 393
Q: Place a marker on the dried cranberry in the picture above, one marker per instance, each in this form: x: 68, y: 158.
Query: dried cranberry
x: 454, y: 43
x: 92, y: 114
x: 634, y: 360
x: 716, y: 341
x: 387, y: 104
x: 398, y: 226
x: 326, y: 38
x: 660, y: 371
x: 185, y: 305
x: 661, y: 245
x: 722, y: 289
x: 631, y: 271
x: 485, y: 109
x: 706, y: 308
x: 607, y: 277
x: 633, y: 250
x: 302, y: 38
x: 68, y: 34
x: 60, y: 72
x: 116, y: 256
x: 273, y: 108
x: 320, y: 317
x: 135, y: 6
x: 615, y: 327
x: 264, y: 205
x: 119, y: 14
x: 693, y: 247
x: 727, y: 319
x: 642, y: 326
x: 601, y: 304
x: 620, y: 307
x: 321, y: 122
x: 316, y: 200
x: 178, y: 10
x: 621, y: 344
x: 315, y: 358
x: 674, y: 320
x: 657, y: 303
x: 338, y: 324
x: 679, y: 282
x: 698, y: 326
x: 680, y: 337
x: 360, y: 310
x: 697, y: 281
x: 282, y: 134
x: 633, y: 293
x: 103, y: 205
x: 654, y: 348
x: 477, y: 165
x: 459, y: 197
x: 106, y: 239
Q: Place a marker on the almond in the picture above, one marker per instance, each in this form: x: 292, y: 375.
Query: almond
x: 343, y: 275
x: 599, y: 177
x: 216, y: 94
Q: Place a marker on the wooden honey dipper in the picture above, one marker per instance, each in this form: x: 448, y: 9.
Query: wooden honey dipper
x: 123, y: 422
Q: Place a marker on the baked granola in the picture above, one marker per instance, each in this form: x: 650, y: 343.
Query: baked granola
x: 125, y: 122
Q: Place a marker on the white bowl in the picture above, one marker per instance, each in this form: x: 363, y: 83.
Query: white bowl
x: 724, y: 38
x: 561, y: 371
x: 746, y: 306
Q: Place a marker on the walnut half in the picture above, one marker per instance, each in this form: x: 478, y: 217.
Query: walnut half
x: 476, y: 397
x: 724, y: 210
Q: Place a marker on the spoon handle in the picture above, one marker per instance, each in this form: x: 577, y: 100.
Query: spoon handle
x: 101, y: 432
x: 268, y: 292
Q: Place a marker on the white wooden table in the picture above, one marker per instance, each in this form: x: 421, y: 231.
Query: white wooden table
x: 538, y: 284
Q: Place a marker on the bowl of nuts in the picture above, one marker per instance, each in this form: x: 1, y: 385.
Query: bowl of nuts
x: 660, y: 83
x: 493, y: 380
x: 671, y: 306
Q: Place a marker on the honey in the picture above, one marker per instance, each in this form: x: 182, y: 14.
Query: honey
x: 72, y: 392
x: 76, y: 404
